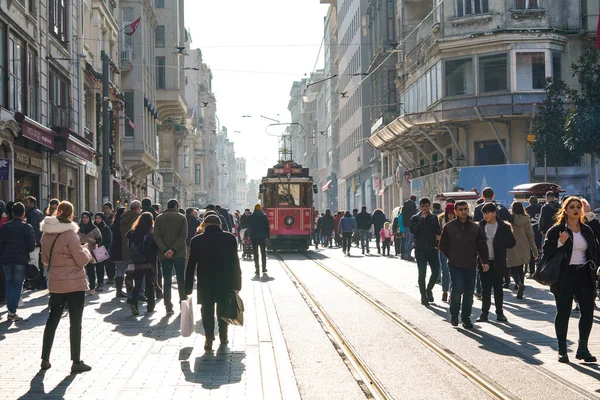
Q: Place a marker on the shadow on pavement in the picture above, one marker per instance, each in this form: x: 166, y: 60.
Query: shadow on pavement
x: 592, y: 370
x: 215, y: 370
x: 37, y: 391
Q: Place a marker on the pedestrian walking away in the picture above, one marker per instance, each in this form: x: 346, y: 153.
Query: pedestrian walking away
x: 378, y: 219
x: 260, y: 232
x: 426, y: 230
x: 548, y: 213
x: 214, y: 260
x: 462, y: 242
x: 327, y: 224
x: 577, y: 277
x: 17, y: 240
x: 363, y: 224
x: 499, y: 239
x: 91, y: 236
x: 346, y: 229
x: 408, y: 210
x: 66, y: 258
x: 116, y: 255
x: 143, y: 254
x: 170, y: 235
x: 525, y: 248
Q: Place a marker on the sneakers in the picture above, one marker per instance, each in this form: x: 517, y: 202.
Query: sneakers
x: 45, y: 365
x: 80, y: 366
x: 14, y: 317
x: 92, y: 292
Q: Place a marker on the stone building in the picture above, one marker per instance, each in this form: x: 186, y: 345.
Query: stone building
x: 241, y: 185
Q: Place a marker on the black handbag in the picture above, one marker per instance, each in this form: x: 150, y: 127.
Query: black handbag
x: 234, y: 310
x: 548, y: 269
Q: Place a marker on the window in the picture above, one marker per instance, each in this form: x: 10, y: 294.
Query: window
x: 16, y: 67
x: 186, y: 156
x: 58, y: 18
x: 556, y: 65
x: 2, y: 65
x: 531, y: 71
x: 160, y: 3
x: 197, y: 175
x: 32, y: 84
x: 449, y: 157
x: 471, y: 7
x: 459, y: 77
x: 59, y: 101
x: 129, y: 113
x: 390, y: 17
x: 489, y: 153
x: 526, y: 4
x: 159, y: 36
x: 493, y: 73
x: 160, y: 73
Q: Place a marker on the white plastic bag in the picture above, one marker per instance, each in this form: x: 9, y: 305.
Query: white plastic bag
x: 187, y: 317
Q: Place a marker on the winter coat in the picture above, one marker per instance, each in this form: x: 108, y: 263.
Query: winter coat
x: 91, y: 235
x: 378, y: 219
x: 244, y: 221
x: 151, y: 210
x: 336, y: 222
x: 549, y: 210
x: 386, y: 234
x: 259, y: 226
x: 592, y: 222
x: 228, y: 223
x: 144, y: 242
x: 462, y: 242
x: 503, y: 241
x: 525, y: 237
x: 363, y: 220
x: 66, y: 270
x: 127, y: 220
x: 170, y: 233
x: 193, y: 223
x: 408, y: 210
x: 17, y: 240
x: 551, y: 248
x: 34, y: 218
x: 214, y: 259
x: 502, y: 213
x: 347, y: 225
x: 116, y: 251
x: 426, y: 231
x: 106, y: 236
x: 534, y: 211
x: 327, y: 224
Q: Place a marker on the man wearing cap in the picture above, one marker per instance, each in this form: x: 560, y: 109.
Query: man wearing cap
x: 409, y: 209
x: 170, y: 235
x: 259, y: 233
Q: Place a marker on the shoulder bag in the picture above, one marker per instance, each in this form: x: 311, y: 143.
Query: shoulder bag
x: 549, y: 268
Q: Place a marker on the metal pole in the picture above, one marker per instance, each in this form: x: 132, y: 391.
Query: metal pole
x: 545, y: 168
x: 105, y: 130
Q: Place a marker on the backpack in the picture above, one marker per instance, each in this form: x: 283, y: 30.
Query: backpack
x: 136, y: 253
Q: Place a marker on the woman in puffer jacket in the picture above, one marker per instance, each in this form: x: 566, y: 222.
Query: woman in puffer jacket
x: 66, y: 258
x: 519, y: 255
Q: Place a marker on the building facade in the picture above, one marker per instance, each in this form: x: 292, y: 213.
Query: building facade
x: 241, y: 185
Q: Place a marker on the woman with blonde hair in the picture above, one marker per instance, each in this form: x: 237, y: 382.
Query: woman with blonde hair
x: 66, y: 258
x: 576, y: 240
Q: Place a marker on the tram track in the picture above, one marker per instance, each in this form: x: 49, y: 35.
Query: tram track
x: 364, y: 375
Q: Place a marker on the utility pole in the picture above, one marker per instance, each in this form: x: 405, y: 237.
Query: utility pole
x: 105, y: 129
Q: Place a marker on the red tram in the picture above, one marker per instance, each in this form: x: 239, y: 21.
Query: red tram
x: 286, y: 195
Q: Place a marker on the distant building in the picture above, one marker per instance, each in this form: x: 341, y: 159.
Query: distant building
x: 241, y: 184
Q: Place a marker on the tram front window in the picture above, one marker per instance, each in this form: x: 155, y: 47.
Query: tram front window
x: 288, y: 194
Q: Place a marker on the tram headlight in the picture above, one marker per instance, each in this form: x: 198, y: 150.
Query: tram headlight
x: 288, y: 221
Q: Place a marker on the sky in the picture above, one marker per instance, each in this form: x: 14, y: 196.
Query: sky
x: 256, y: 50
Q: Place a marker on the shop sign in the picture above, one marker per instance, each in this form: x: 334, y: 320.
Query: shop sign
x: 79, y: 150
x: 388, y: 181
x: 26, y: 159
x: 91, y: 169
x: 38, y: 134
x: 4, y: 169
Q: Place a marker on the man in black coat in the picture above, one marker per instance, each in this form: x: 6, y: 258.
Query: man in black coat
x: 327, y: 226
x: 228, y: 227
x: 426, y: 229
x: 499, y: 239
x: 260, y: 231
x: 548, y: 212
x: 534, y: 210
x: 213, y: 257
x: 147, y: 207
x: 408, y: 210
x: 488, y: 197
x: 34, y: 218
x: 363, y: 224
x: 378, y: 219
x: 193, y: 223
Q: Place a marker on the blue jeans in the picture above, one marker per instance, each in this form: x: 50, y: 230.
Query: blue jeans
x: 167, y: 268
x: 408, y: 244
x: 14, y: 276
x: 364, y: 238
x: 445, y: 272
x: 463, y: 284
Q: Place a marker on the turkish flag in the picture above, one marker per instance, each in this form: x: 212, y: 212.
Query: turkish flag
x: 134, y: 25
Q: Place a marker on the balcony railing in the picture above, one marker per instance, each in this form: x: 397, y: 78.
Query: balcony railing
x: 420, y: 53
x: 59, y: 115
x: 126, y: 55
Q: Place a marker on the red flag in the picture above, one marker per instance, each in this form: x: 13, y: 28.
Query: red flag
x: 598, y: 34
x: 134, y: 25
x: 131, y: 124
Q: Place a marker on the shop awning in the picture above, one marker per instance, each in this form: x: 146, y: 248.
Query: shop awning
x: 35, y: 131
x: 326, y: 186
x: 73, y: 144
